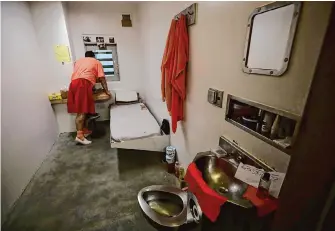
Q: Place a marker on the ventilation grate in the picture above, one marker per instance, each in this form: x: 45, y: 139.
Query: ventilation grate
x: 126, y: 21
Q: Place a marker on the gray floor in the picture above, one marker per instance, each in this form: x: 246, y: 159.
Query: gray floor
x: 91, y: 188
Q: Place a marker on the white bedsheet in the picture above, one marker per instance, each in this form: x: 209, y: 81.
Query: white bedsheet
x: 133, y: 121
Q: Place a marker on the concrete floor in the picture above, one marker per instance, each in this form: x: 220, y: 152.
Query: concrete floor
x: 91, y: 188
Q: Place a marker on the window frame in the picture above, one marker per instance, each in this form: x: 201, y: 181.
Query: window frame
x: 108, y: 47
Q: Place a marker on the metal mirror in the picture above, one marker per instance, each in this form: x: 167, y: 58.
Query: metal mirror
x: 270, y: 34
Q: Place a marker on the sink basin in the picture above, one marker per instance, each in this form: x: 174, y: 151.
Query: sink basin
x: 219, y: 173
x: 165, y: 204
x: 218, y: 169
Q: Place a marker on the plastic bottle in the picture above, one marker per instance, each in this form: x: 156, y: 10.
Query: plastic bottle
x: 275, y: 128
x: 263, y: 187
x: 176, y: 169
x: 267, y: 124
x: 181, y: 173
x: 170, y: 153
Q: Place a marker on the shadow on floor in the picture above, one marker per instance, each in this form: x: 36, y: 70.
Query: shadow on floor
x: 91, y: 188
x: 134, y: 160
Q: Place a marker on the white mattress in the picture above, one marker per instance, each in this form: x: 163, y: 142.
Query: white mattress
x: 132, y: 121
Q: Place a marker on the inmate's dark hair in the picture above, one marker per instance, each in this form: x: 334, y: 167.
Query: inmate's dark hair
x: 89, y: 54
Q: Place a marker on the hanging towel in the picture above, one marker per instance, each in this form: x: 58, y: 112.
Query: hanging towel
x: 167, y: 65
x: 179, y: 72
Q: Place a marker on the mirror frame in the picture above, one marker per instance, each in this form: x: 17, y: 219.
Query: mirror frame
x: 260, y: 10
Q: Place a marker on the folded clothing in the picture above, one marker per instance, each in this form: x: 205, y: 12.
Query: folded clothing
x: 210, y: 201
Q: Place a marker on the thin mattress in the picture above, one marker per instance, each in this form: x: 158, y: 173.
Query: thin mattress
x: 132, y: 121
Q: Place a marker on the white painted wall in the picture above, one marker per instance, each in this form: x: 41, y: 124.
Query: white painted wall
x: 3, y: 209
x: 50, y: 26
x: 28, y: 125
x: 216, y: 52
x: 105, y: 18
x: 51, y: 22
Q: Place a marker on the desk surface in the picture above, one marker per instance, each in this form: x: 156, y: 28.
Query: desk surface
x: 99, y: 96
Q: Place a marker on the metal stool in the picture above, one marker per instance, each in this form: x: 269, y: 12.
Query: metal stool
x: 92, y: 122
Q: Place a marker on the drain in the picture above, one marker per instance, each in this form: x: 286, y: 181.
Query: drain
x: 223, y: 190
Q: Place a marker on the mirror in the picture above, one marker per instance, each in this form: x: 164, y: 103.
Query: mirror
x: 270, y: 35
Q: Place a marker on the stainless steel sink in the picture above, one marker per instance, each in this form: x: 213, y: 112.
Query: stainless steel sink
x: 163, y: 203
x: 219, y: 173
x: 168, y: 206
x: 218, y: 170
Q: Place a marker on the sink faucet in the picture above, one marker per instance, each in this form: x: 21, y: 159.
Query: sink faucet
x: 239, y: 158
x: 230, y: 154
x: 220, y: 152
x: 235, y: 157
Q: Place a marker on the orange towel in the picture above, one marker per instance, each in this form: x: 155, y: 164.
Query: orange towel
x: 178, y: 79
x: 167, y: 64
x: 173, y: 70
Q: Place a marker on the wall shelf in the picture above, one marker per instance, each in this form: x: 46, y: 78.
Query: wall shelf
x: 249, y: 116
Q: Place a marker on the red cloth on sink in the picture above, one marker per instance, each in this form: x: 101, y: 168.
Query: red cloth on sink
x: 264, y: 206
x: 210, y: 201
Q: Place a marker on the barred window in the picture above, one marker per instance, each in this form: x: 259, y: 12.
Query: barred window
x: 106, y: 53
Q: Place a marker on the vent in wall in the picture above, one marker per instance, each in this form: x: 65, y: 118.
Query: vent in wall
x: 126, y: 21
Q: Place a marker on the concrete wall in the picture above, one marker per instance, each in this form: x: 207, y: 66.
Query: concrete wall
x: 50, y: 26
x: 28, y: 125
x: 105, y: 18
x: 216, y: 51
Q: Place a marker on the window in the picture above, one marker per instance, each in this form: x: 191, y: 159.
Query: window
x: 106, y: 53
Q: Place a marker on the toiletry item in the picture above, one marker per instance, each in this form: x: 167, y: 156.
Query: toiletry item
x: 64, y: 94
x: 250, y: 122
x: 55, y: 96
x: 181, y: 173
x: 259, y: 118
x: 170, y: 154
x: 176, y: 169
x: 285, y: 143
x: 289, y: 127
x: 267, y: 123
x: 170, y: 168
x: 182, y: 182
x: 263, y: 187
x: 275, y: 128
x: 281, y: 131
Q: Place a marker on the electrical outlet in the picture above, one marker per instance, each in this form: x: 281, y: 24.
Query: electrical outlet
x: 215, y: 97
